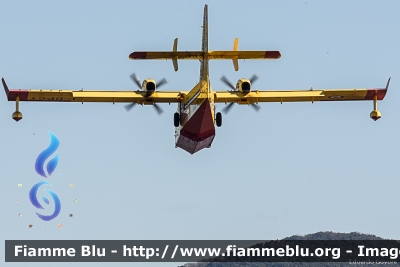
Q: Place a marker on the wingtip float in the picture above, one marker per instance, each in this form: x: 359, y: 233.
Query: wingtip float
x: 375, y: 95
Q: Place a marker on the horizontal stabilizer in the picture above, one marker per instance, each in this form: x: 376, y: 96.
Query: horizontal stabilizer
x: 167, y: 55
x: 244, y: 55
x: 175, y: 55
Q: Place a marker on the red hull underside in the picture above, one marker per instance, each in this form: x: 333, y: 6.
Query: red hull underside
x: 199, y: 130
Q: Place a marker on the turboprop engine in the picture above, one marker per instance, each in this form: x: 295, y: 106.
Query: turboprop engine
x: 243, y: 85
x: 149, y: 86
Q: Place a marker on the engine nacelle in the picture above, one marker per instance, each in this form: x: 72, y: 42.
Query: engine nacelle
x: 243, y: 85
x: 149, y: 86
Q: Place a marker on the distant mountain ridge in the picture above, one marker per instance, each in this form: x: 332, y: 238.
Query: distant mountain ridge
x: 328, y: 235
x: 334, y: 236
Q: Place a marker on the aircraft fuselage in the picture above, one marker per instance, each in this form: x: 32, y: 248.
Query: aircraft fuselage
x: 196, y: 130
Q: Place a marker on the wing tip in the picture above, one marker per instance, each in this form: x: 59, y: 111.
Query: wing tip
x: 382, y: 92
x: 379, y: 92
x: 272, y: 54
x: 388, y: 82
x: 138, y: 55
x: 5, y: 86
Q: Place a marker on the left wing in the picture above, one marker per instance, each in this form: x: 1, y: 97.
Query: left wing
x: 92, y: 96
x: 254, y: 97
x: 311, y: 95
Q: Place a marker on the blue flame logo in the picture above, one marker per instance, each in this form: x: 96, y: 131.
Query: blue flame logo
x: 51, y: 166
x: 35, y: 201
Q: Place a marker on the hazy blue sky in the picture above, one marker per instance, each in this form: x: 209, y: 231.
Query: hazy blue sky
x: 290, y: 169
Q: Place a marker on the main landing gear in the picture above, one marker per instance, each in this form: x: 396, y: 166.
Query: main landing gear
x: 218, y: 119
x: 176, y: 119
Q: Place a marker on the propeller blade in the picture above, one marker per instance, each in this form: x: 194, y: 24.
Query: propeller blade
x: 228, y: 108
x: 256, y: 107
x: 130, y: 106
x: 227, y: 82
x: 253, y: 78
x: 136, y: 80
x: 158, y: 109
x: 162, y: 82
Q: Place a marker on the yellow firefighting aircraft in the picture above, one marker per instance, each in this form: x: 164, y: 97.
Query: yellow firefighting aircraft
x: 195, y: 117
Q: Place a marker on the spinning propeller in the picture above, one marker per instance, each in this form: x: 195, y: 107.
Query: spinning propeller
x: 245, y: 88
x: 149, y: 87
